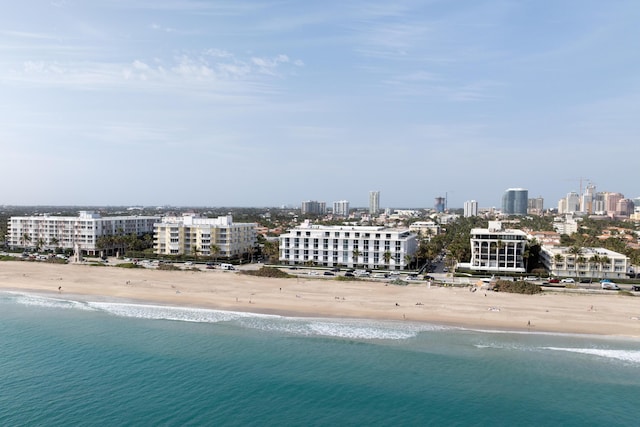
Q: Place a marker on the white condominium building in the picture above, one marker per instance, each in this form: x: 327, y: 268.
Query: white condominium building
x: 194, y: 235
x: 496, y: 250
x: 81, y: 232
x: 347, y: 246
x: 596, y: 263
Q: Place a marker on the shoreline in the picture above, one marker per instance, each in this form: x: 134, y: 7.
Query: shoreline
x: 550, y: 312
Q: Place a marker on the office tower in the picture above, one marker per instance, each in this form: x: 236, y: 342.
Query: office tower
x: 440, y: 204
x: 515, y: 201
x: 341, y: 208
x: 374, y: 202
x: 470, y: 208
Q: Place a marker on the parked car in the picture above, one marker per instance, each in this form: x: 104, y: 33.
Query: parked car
x: 554, y: 280
x: 567, y: 280
x: 348, y: 274
x: 328, y: 273
x: 531, y: 278
x: 610, y: 286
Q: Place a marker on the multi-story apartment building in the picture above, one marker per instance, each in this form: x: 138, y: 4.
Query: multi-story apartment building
x: 535, y: 206
x: 596, y: 263
x: 374, y: 202
x: 79, y: 233
x: 496, y: 250
x: 194, y: 235
x: 313, y: 207
x: 470, y: 208
x: 357, y: 246
x: 341, y: 208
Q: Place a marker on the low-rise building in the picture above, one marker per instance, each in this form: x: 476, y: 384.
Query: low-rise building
x: 79, y: 233
x: 349, y: 246
x: 591, y: 263
x: 191, y: 234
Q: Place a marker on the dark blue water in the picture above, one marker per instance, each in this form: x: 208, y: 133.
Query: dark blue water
x: 70, y: 363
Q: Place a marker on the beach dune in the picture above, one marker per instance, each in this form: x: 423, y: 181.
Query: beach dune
x: 595, y: 313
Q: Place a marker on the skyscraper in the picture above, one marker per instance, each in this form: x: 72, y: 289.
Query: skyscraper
x: 374, y: 202
x: 515, y: 201
x: 439, y: 204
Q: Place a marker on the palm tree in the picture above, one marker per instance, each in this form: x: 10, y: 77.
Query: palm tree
x: 576, y: 251
x: 214, y: 250
x: 356, y: 254
x: 407, y: 260
x: 605, y: 261
x: 25, y: 238
x: 387, y: 258
x: 557, y: 260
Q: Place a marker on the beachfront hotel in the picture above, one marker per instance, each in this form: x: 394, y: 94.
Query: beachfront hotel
x: 191, y: 234
x: 347, y: 246
x: 79, y: 233
x: 590, y: 263
x: 497, y: 250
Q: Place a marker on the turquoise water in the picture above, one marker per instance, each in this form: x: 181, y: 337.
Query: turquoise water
x: 95, y: 363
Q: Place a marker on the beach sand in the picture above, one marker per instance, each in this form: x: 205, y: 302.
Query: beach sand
x: 599, y: 313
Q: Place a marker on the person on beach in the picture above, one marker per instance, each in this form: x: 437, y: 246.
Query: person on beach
x: 59, y: 289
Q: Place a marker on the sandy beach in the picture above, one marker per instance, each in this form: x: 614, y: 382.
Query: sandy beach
x: 595, y: 313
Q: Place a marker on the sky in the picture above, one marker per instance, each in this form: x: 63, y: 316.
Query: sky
x: 270, y: 103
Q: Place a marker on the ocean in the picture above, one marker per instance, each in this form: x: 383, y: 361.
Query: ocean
x: 66, y: 363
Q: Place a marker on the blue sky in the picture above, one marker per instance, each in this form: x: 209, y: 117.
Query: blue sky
x: 265, y: 103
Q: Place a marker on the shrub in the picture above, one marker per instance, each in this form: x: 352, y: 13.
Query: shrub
x: 128, y: 265
x: 168, y: 267
x: 519, y: 287
x: 267, y: 272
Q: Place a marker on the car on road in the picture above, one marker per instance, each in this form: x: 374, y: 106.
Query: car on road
x: 567, y: 280
x: 610, y: 286
x: 348, y: 274
x: 328, y: 273
x: 531, y: 278
x: 554, y: 280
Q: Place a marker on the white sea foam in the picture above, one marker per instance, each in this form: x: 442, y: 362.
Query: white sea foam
x: 625, y: 355
x: 338, y: 328
x: 342, y: 328
x: 44, y: 301
x: 159, y: 312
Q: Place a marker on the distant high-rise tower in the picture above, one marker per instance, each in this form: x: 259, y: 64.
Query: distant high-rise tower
x: 374, y: 202
x: 470, y: 208
x: 440, y: 204
x: 573, y: 202
x: 536, y: 206
x: 341, y: 208
x: 313, y: 207
x: 515, y: 201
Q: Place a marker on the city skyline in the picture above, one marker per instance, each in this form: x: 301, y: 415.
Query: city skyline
x: 190, y: 103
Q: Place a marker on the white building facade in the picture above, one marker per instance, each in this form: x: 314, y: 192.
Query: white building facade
x: 496, y: 250
x: 591, y: 263
x: 341, y: 208
x: 470, y: 208
x: 71, y: 233
x: 194, y: 235
x: 348, y: 246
